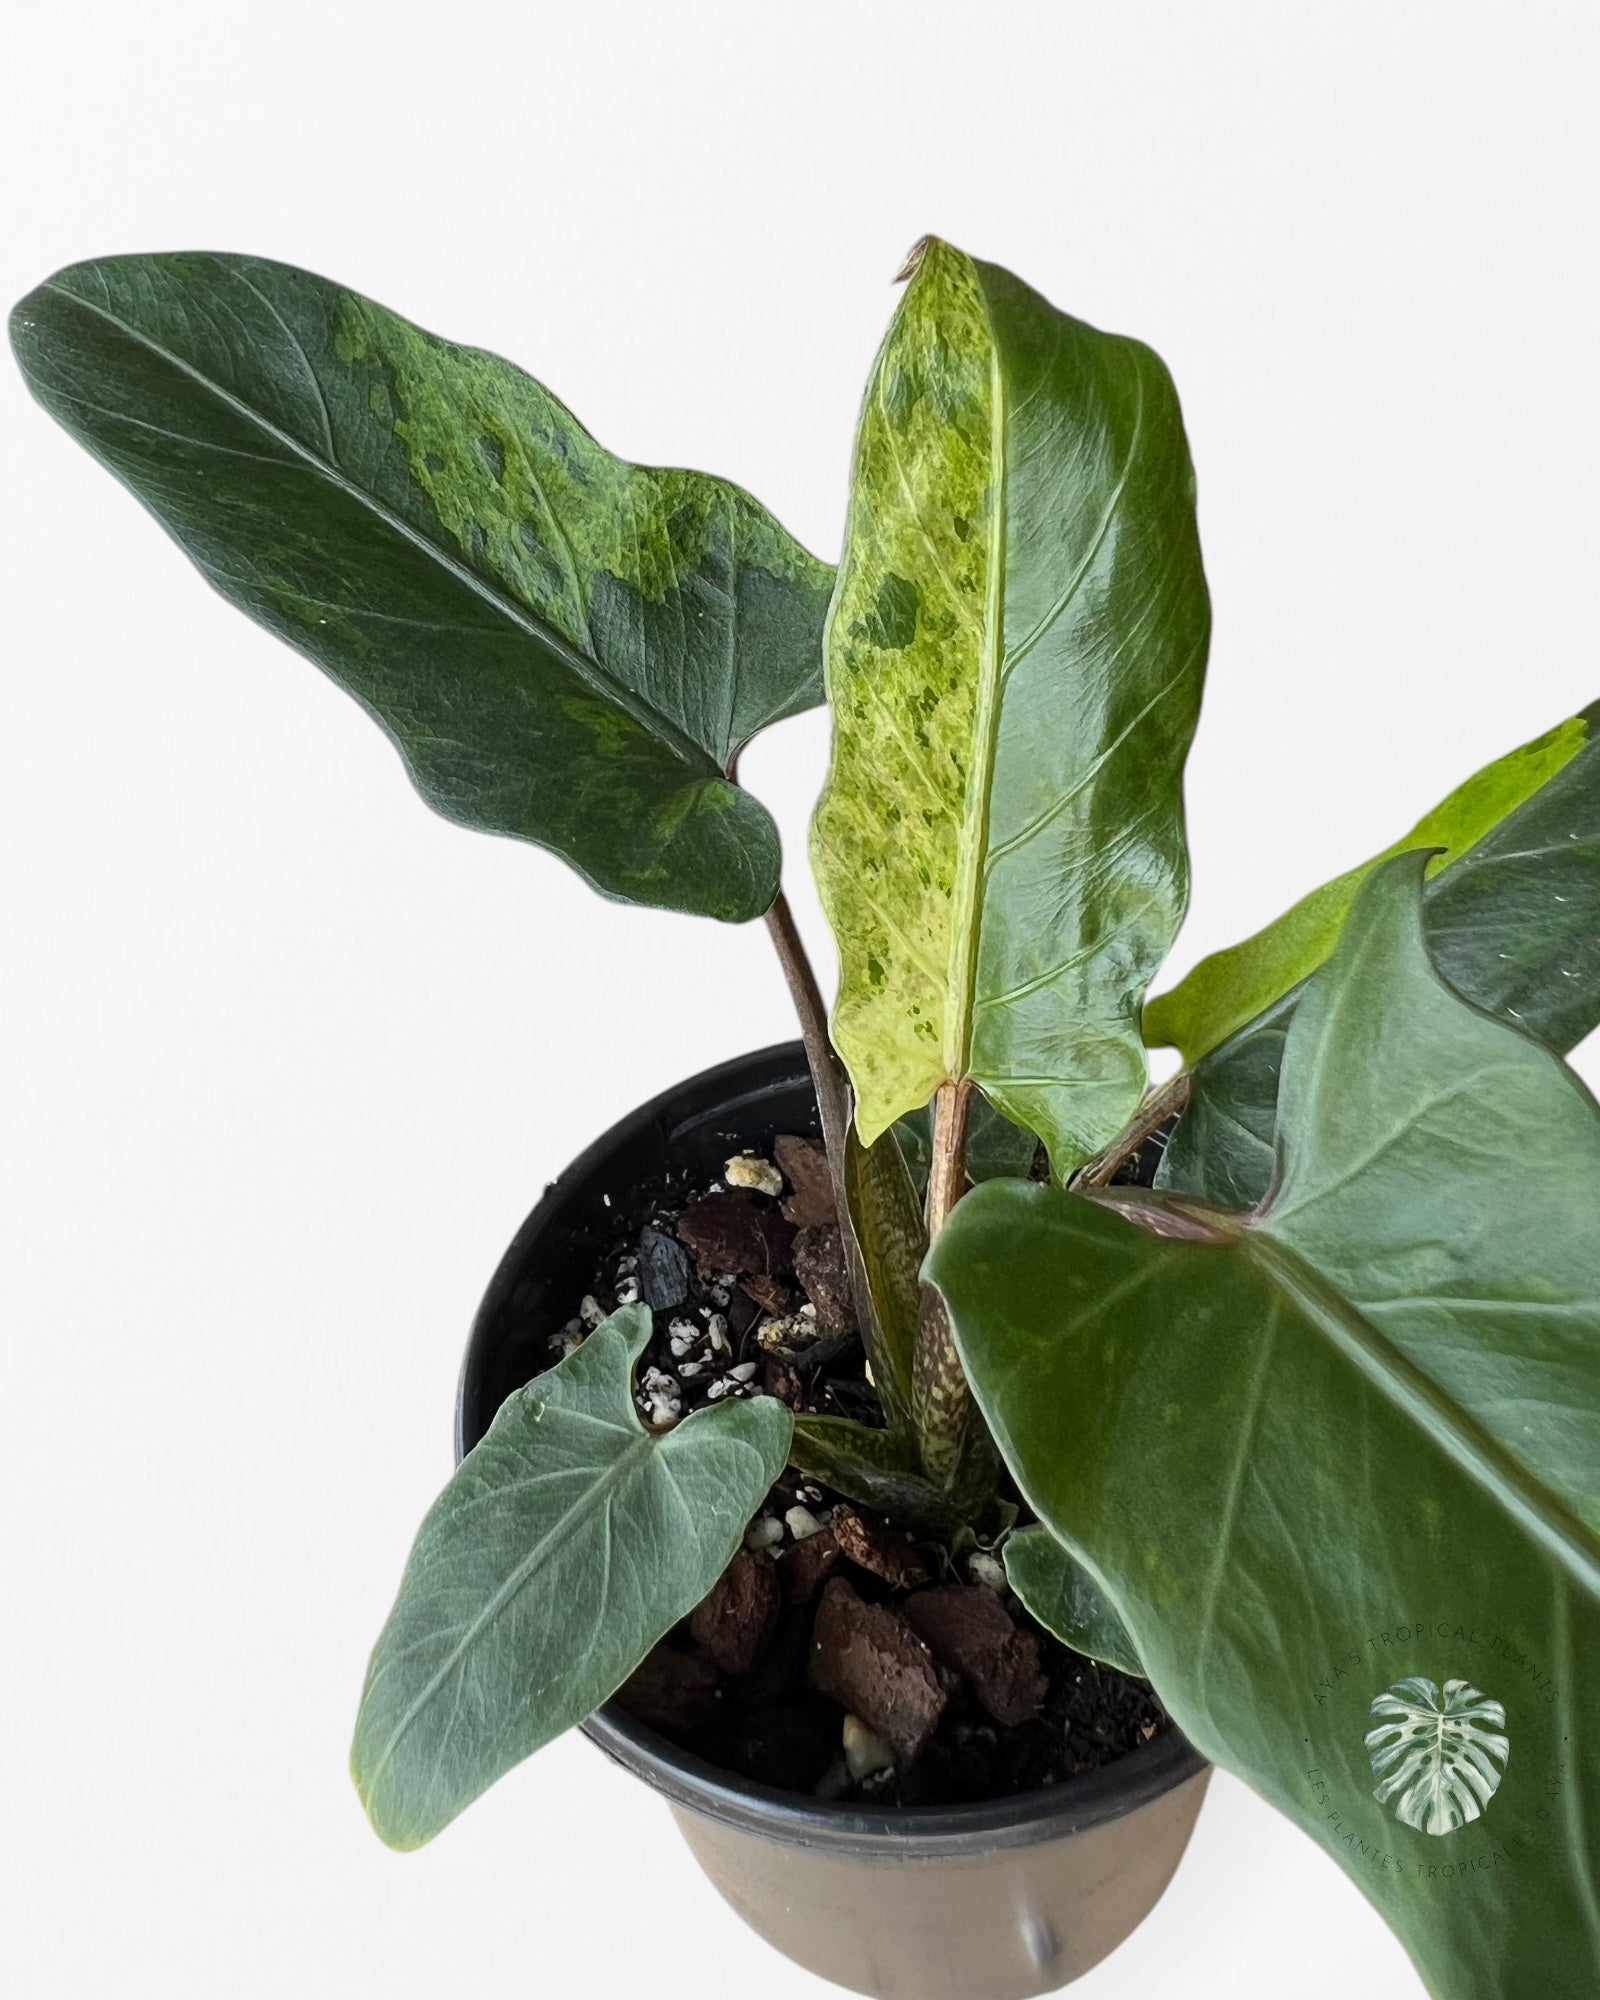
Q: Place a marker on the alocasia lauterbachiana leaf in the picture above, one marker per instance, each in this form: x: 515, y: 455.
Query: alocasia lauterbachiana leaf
x: 1349, y: 1441
x: 1505, y: 920
x: 1512, y: 921
x: 564, y: 647
x: 1014, y: 656
x: 567, y: 1543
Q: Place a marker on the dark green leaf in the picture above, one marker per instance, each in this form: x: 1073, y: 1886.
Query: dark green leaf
x: 1526, y: 831
x: 1354, y: 1442
x: 568, y: 1542
x: 996, y: 1149
x: 564, y: 647
x: 1014, y: 656
x: 1222, y: 1148
x: 1061, y: 1594
x: 1514, y: 925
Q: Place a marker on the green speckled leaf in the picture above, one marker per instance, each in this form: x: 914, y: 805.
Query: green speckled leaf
x: 875, y: 1468
x: 1352, y: 1439
x: 566, y: 1544
x: 1521, y: 840
x: 1014, y: 656
x: 886, y: 1216
x: 564, y: 647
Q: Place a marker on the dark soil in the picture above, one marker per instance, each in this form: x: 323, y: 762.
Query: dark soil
x: 837, y: 1657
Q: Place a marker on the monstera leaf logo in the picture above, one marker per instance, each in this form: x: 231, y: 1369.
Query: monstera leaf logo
x: 1440, y: 1757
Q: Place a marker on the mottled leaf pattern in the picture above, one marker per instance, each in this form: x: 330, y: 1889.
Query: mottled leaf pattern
x: 1438, y: 1755
x: 566, y: 1544
x: 1014, y: 656
x: 886, y: 1216
x: 564, y: 647
x: 876, y: 1468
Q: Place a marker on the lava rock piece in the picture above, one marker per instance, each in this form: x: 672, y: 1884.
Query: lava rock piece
x: 663, y: 1269
x: 781, y: 1379
x: 810, y: 1203
x: 735, y: 1620
x: 867, y: 1658
x: 734, y: 1231
x: 766, y: 1294
x: 669, y: 1689
x: 879, y: 1550
x: 968, y: 1629
x: 806, y: 1566
x: 819, y: 1265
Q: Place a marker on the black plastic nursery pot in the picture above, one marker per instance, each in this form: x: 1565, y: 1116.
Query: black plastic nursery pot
x: 987, y: 1901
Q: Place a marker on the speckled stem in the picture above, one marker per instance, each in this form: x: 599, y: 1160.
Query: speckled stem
x: 941, y: 1400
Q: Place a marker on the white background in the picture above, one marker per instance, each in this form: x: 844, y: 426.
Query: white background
x: 286, y: 1059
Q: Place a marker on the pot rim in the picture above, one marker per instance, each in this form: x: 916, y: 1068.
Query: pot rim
x: 1019, y: 1820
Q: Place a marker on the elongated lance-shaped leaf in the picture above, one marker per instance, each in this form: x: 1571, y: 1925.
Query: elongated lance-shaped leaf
x: 1514, y: 922
x: 886, y: 1217
x: 564, y: 647
x: 567, y: 1543
x: 1014, y: 656
x: 1059, y: 1592
x: 1348, y: 1441
x: 875, y: 1468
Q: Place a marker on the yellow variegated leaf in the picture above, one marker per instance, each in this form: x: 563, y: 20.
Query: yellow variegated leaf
x: 1014, y: 654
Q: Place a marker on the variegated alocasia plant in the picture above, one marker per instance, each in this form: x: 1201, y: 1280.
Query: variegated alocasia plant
x: 1309, y: 1431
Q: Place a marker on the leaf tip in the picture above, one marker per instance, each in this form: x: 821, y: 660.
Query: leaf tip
x: 913, y: 260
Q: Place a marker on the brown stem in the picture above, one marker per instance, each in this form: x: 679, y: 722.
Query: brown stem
x: 947, y: 1169
x: 1159, y: 1105
x: 827, y: 1072
x: 833, y: 1101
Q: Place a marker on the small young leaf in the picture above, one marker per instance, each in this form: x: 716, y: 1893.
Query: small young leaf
x: 563, y: 647
x: 1014, y: 656
x: 566, y: 1544
x: 1061, y: 1594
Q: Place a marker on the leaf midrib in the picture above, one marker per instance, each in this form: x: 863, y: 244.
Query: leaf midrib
x: 586, y: 669
x: 973, y: 833
x: 1475, y: 1450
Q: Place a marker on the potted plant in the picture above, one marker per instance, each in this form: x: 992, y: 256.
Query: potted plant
x: 1252, y: 1417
